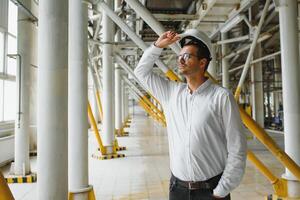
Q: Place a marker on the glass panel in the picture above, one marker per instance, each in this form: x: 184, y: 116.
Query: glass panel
x: 1, y: 100
x: 12, y: 18
x: 1, y: 51
x: 12, y: 45
x: 9, y: 100
x: 11, y: 66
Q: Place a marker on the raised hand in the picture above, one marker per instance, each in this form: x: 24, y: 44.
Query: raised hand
x: 166, y: 39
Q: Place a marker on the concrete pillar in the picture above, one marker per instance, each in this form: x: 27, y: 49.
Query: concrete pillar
x: 25, y: 48
x: 118, y: 83
x: 225, y: 64
x: 126, y: 103
x: 52, y: 124
x: 291, y: 87
x: 118, y: 98
x: 257, y: 94
x: 123, y: 99
x: 78, y: 98
x: 108, y: 81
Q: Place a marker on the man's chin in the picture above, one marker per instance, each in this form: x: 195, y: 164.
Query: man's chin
x: 182, y: 72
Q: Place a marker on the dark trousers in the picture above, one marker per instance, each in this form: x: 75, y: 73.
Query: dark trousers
x: 179, y: 192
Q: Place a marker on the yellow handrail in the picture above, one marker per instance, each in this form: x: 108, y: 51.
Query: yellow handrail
x: 5, y: 193
x: 96, y: 131
x: 99, y: 104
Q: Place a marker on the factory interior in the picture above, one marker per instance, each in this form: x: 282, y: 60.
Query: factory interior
x: 76, y: 123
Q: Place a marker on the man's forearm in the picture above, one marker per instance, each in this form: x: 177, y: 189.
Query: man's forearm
x: 146, y: 63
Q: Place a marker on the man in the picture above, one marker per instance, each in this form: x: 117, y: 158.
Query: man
x: 207, y: 145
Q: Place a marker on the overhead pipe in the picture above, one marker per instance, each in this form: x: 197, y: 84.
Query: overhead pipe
x: 169, y: 73
x: 232, y: 40
x: 225, y: 64
x: 254, y: 62
x: 262, y: 38
x: 251, y: 51
x: 147, y: 16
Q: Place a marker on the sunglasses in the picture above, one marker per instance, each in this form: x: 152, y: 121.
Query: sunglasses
x: 185, y: 57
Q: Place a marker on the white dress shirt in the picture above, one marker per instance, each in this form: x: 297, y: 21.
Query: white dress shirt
x: 205, y: 132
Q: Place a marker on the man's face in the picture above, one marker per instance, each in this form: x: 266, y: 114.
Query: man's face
x: 189, y: 63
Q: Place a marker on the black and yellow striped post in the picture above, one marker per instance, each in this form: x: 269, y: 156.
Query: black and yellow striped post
x: 89, y: 190
x: 21, y: 179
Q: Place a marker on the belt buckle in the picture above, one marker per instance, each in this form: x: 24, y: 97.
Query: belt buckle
x: 191, y: 186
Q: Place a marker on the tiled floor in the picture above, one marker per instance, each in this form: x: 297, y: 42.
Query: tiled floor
x: 144, y: 172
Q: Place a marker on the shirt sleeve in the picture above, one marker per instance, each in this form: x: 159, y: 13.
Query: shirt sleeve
x: 236, y: 146
x: 157, y: 85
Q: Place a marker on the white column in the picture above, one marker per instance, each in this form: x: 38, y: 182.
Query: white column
x: 225, y: 64
x: 291, y: 86
x: 118, y: 98
x: 108, y: 81
x: 126, y: 103
x: 52, y: 117
x: 257, y: 95
x: 123, y: 100
x: 25, y: 48
x: 118, y: 83
x: 78, y: 98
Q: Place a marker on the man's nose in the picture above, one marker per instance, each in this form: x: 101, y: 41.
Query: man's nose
x: 181, y: 60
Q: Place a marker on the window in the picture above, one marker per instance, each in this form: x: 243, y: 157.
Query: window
x: 11, y: 65
x: 9, y: 100
x: 1, y: 51
x: 12, y: 18
x: 11, y: 61
x: 8, y: 45
x: 1, y: 100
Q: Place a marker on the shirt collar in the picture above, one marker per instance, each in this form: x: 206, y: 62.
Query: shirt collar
x: 201, y: 88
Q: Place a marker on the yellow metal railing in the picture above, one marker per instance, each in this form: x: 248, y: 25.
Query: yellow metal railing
x: 99, y: 104
x: 5, y: 193
x: 96, y: 131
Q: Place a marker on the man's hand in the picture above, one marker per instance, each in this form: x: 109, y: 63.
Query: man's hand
x: 166, y: 39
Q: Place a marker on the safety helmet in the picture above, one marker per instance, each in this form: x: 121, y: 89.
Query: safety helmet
x: 198, y: 36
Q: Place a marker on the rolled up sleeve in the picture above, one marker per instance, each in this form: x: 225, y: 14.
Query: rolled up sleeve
x: 157, y: 85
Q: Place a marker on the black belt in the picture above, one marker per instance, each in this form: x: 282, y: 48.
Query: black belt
x: 195, y: 185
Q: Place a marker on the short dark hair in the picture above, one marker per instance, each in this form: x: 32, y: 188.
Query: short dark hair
x: 202, y: 49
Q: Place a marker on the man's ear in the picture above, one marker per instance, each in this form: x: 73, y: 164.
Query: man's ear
x: 203, y: 62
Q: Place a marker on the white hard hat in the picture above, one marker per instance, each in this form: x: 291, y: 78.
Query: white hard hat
x: 198, y: 35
